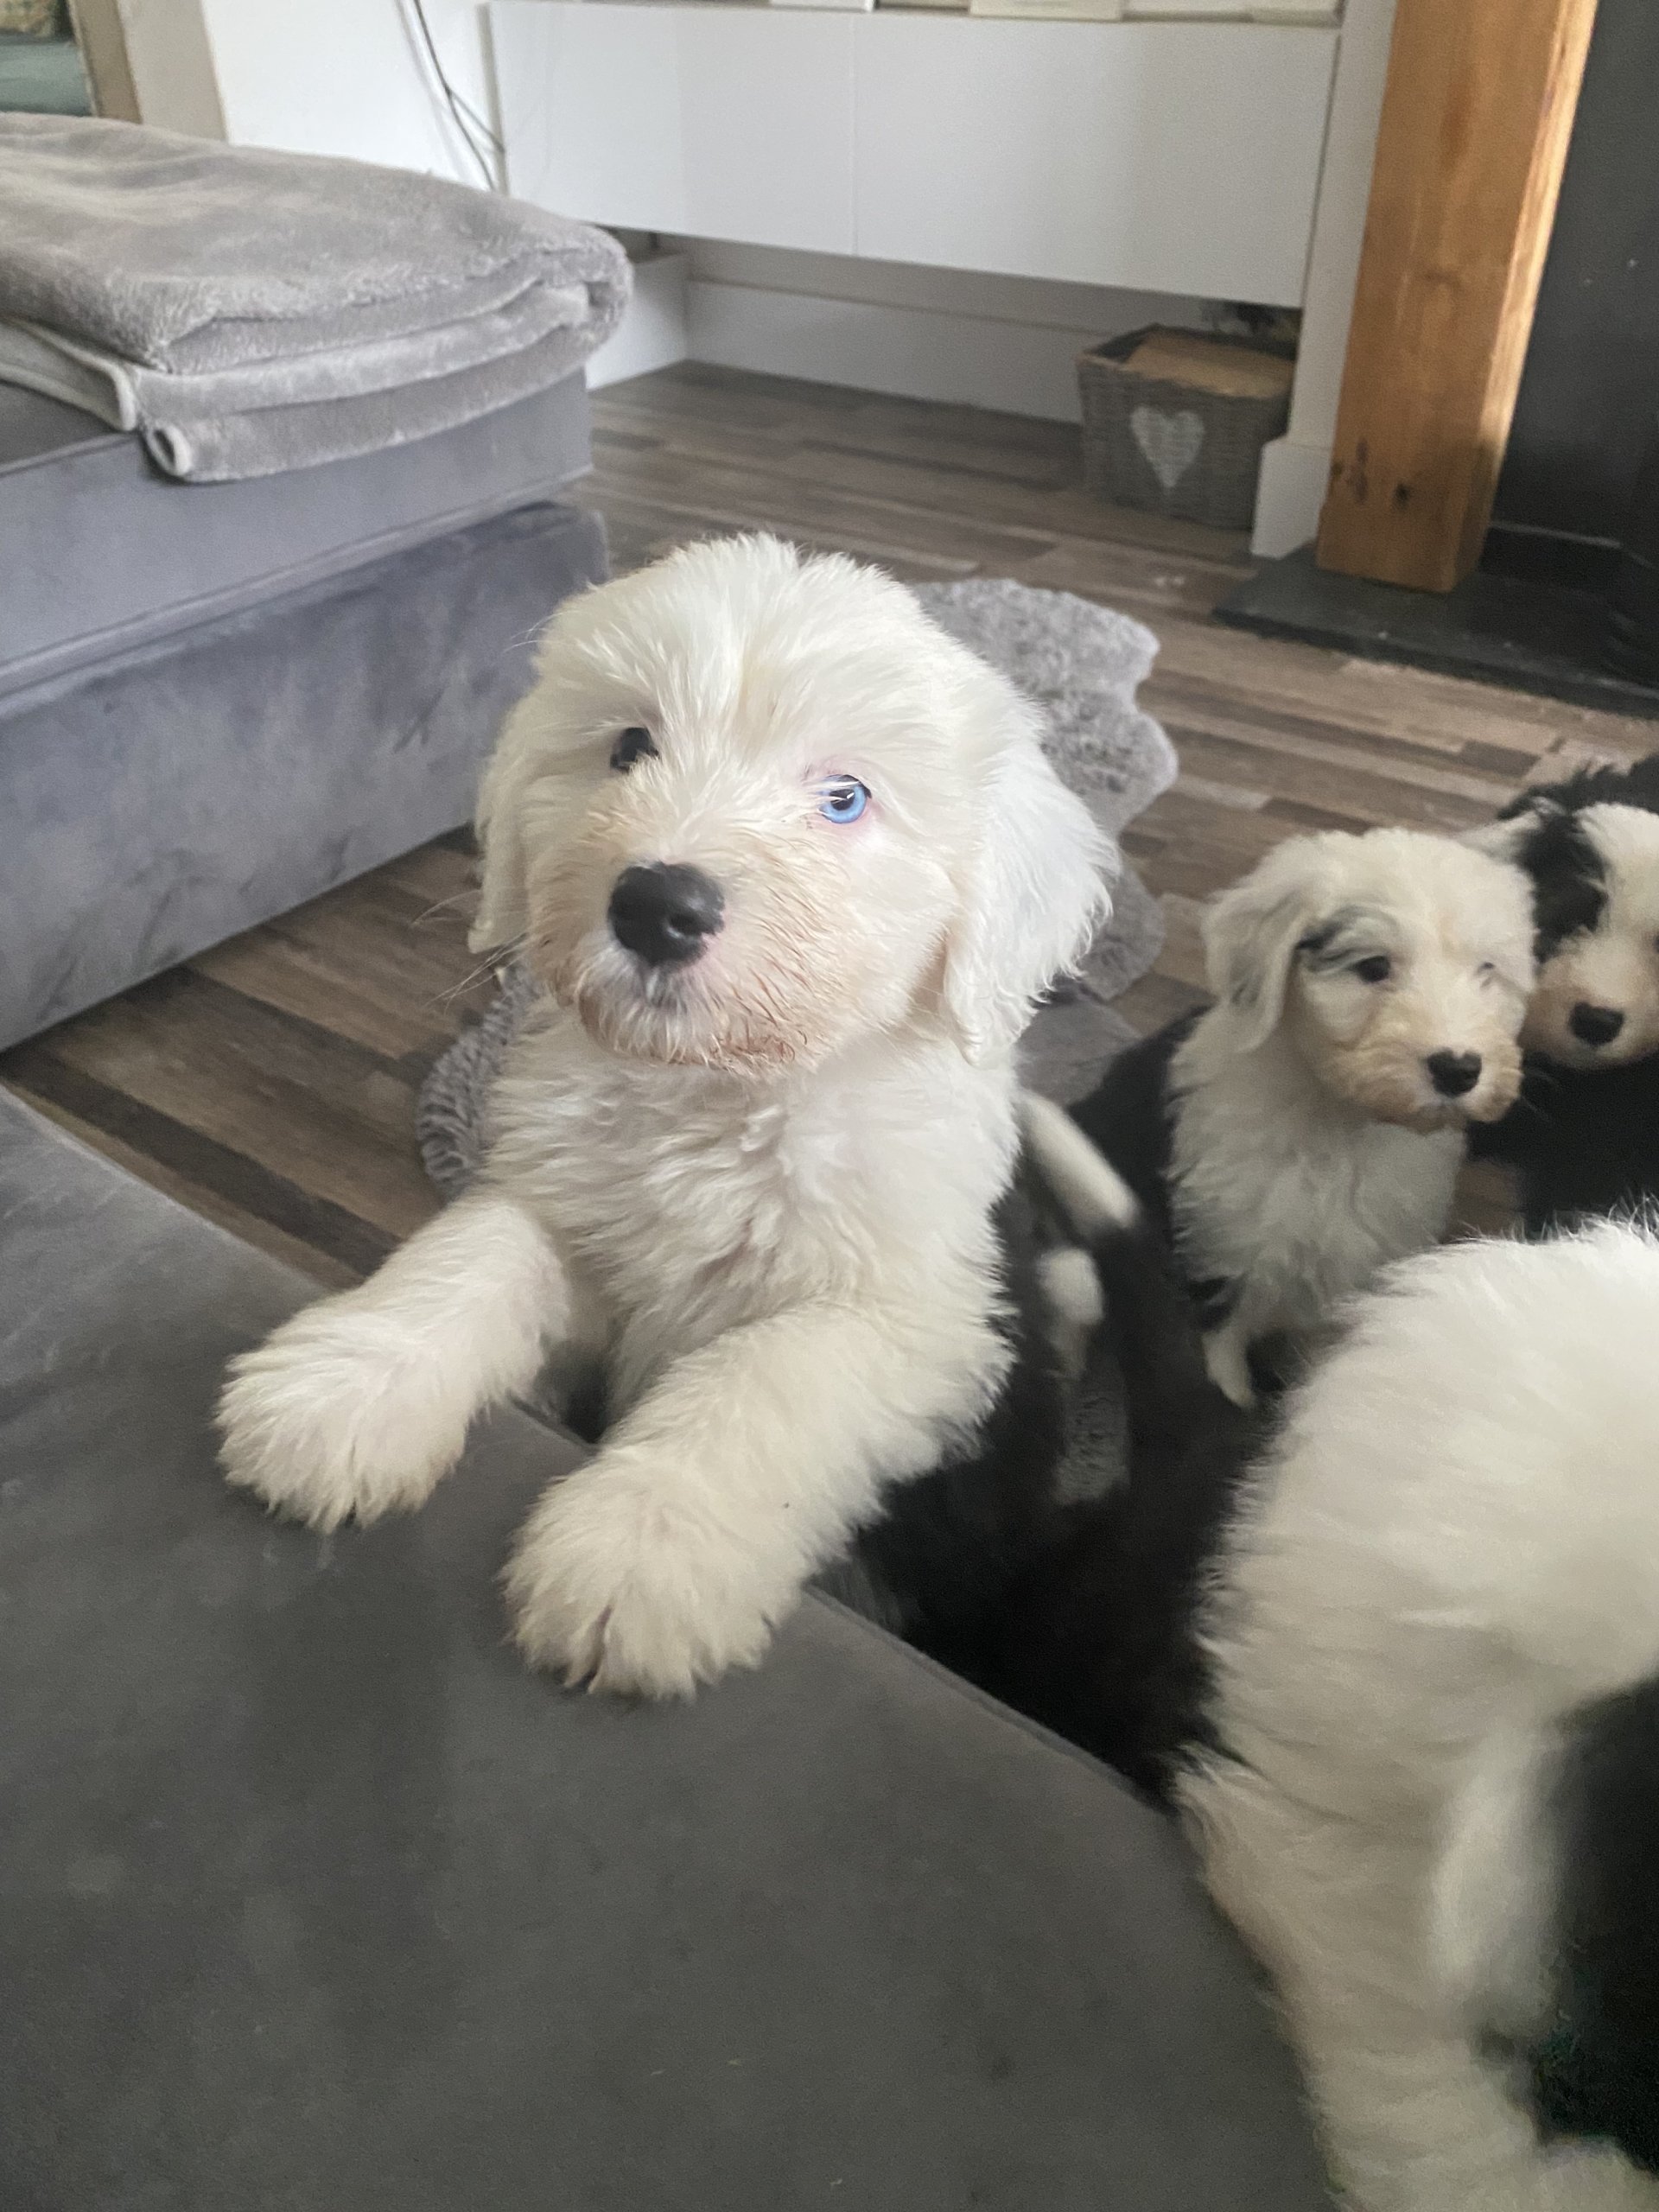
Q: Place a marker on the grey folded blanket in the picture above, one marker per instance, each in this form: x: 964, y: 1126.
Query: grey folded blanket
x: 249, y: 311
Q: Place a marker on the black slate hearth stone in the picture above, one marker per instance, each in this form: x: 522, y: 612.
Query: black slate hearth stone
x: 1497, y: 629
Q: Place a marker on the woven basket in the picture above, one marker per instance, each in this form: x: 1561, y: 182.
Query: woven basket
x: 1171, y: 448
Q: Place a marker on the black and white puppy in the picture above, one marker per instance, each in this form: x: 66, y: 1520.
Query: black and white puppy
x: 1097, y: 1637
x: 1309, y: 1128
x: 938, y: 1559
x: 1584, y: 1132
x: 1397, y: 1664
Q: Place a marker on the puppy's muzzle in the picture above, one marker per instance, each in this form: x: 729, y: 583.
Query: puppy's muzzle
x: 1452, y: 1074
x: 665, y: 912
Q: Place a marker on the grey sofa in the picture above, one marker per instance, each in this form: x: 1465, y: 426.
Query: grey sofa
x: 310, y: 1897
x: 218, y: 700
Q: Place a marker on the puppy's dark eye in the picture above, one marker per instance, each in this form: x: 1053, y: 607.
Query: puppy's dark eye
x: 633, y: 744
x: 1377, y: 970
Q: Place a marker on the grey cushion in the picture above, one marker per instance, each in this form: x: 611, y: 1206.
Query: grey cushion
x: 311, y: 1898
x: 101, y: 551
x: 167, y: 797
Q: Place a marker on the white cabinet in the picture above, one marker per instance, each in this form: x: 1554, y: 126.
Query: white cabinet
x: 1165, y: 157
x: 718, y: 122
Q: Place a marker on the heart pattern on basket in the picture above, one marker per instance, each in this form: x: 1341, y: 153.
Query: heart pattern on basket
x: 1170, y: 442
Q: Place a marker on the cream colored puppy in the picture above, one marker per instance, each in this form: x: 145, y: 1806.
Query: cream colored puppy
x: 1308, y: 1127
x: 1371, y: 992
x: 794, y: 870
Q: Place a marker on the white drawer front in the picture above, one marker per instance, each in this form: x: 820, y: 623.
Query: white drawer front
x: 1161, y: 156
x: 1172, y: 157
x: 720, y: 122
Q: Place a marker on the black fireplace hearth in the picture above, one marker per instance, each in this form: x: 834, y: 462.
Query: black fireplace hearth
x: 1533, y: 634
x: 1632, y: 645
x: 1566, y: 600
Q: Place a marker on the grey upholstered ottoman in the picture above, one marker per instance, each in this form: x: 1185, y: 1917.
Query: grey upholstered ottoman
x: 218, y: 700
x: 101, y: 552
x: 312, y: 1900
x: 161, y: 798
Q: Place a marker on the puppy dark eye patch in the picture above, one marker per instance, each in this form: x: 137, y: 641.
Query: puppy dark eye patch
x: 1344, y: 940
x: 1567, y: 909
x: 1569, y: 878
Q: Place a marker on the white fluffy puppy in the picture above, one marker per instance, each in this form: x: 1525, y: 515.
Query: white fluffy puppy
x: 794, y: 869
x: 1309, y: 1127
x: 1434, y: 1660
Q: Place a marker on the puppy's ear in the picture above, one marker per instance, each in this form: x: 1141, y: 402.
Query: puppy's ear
x: 1031, y: 896
x: 1505, y: 837
x: 503, y: 914
x: 1251, y: 932
x: 527, y: 749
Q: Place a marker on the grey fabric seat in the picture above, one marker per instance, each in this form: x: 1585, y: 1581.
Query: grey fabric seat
x: 161, y: 798
x: 219, y: 700
x: 101, y: 552
x: 312, y: 1900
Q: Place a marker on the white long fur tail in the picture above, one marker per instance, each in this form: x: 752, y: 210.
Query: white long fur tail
x: 1095, y: 1200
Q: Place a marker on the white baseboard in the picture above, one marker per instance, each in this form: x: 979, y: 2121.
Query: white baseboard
x: 652, y: 333
x: 1019, y: 368
x: 1290, y: 492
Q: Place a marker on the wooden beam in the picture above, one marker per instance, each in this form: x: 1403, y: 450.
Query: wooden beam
x: 1475, y: 120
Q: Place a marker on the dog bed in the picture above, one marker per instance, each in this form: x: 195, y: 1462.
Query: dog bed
x: 1082, y: 665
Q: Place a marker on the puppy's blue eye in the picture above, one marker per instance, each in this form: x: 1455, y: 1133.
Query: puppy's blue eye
x: 635, y: 744
x: 843, y: 800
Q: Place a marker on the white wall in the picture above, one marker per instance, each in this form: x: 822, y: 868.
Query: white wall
x: 652, y: 333
x: 345, y: 77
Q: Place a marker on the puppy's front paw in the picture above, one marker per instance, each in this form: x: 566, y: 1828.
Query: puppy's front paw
x: 617, y: 1582
x: 331, y: 1419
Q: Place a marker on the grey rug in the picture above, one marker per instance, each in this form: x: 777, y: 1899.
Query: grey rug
x: 1082, y: 665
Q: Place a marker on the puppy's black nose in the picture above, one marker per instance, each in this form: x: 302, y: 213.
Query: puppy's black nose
x: 1595, y: 1025
x: 665, y: 913
x: 1452, y: 1073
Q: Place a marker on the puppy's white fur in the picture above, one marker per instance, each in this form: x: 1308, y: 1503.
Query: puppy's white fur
x: 1309, y: 1145
x: 759, y: 1186
x: 1453, y: 1546
x: 1095, y: 1199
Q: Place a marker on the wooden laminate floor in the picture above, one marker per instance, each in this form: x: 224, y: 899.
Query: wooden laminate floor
x: 271, y: 1083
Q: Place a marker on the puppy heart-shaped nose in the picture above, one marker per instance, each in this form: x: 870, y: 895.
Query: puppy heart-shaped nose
x: 1595, y: 1025
x: 665, y: 912
x: 1452, y: 1073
